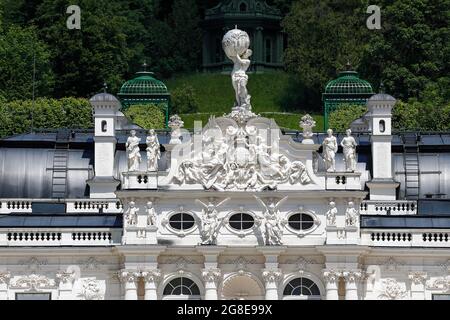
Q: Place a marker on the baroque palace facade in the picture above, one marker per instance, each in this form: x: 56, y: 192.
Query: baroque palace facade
x: 237, y: 209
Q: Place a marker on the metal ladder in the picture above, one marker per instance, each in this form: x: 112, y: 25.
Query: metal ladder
x: 60, y: 159
x: 411, y: 163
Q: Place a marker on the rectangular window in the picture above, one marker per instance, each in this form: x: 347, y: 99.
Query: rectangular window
x: 34, y: 296
x: 441, y: 296
x: 268, y: 50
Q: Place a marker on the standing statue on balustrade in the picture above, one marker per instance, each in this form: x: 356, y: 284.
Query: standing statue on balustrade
x: 273, y: 223
x: 131, y: 214
x: 133, y: 152
x: 330, y: 148
x: 349, y: 147
x: 151, y: 214
x: 153, y: 151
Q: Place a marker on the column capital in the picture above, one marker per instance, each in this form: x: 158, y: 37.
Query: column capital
x: 351, y: 276
x: 65, y: 277
x: 330, y: 275
x: 151, y: 275
x: 417, y: 277
x: 211, y: 275
x: 272, y: 275
x: 5, y: 276
x: 128, y: 276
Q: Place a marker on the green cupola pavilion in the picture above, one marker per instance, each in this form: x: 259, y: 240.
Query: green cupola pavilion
x: 348, y: 88
x: 145, y: 89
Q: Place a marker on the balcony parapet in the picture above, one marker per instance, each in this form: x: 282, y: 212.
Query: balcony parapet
x: 394, y: 208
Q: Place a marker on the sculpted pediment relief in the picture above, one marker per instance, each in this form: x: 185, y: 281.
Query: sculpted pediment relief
x: 243, y: 156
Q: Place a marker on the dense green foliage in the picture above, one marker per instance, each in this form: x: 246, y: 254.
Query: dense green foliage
x: 340, y: 119
x: 19, y: 48
x: 19, y: 116
x: 284, y: 120
x: 409, y: 53
x: 271, y: 92
x: 147, y: 116
x: 184, y: 100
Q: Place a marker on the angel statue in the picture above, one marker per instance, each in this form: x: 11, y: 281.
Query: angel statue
x: 153, y: 152
x: 133, y: 152
x: 239, y: 79
x: 273, y: 224
x: 210, y: 222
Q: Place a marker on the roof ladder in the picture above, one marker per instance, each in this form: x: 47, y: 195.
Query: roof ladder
x: 60, y: 159
x: 411, y: 163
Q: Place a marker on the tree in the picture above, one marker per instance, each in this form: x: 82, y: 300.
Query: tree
x: 412, y: 48
x: 19, y: 47
x: 341, y: 118
x: 147, y: 116
x: 184, y: 100
x: 84, y: 59
x: 322, y: 37
x: 19, y: 116
x: 175, y: 43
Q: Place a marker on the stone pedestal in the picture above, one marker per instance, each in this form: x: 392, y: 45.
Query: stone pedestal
x: 140, y: 235
x: 342, y: 180
x: 140, y: 180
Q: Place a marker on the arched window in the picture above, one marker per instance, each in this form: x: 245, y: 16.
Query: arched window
x: 181, y: 221
x: 382, y: 126
x: 241, y: 221
x: 302, y: 287
x: 181, y: 286
x: 104, y: 126
x: 243, y: 7
x: 301, y: 221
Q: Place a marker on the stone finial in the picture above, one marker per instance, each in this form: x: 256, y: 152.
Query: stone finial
x: 175, y: 123
x: 307, y: 123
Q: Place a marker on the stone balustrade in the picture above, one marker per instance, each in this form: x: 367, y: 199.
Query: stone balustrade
x: 405, y: 238
x: 72, y: 205
x: 60, y: 237
x: 397, y: 207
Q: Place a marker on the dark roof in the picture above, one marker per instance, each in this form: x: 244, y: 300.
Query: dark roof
x: 405, y: 222
x: 60, y: 221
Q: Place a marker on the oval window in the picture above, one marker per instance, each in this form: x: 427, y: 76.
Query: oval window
x: 181, y: 221
x: 241, y: 221
x: 301, y: 221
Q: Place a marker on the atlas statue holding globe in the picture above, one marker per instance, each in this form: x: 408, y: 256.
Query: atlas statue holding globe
x: 236, y: 45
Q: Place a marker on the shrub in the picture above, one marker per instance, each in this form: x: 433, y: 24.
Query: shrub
x: 147, y: 116
x: 184, y: 100
x: 340, y: 119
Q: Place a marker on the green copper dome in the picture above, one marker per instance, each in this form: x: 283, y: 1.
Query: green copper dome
x: 144, y: 84
x: 349, y: 83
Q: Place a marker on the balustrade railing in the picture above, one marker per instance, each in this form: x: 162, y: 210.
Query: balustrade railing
x: 402, y: 238
x: 72, y: 205
x: 397, y: 207
x: 52, y: 237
